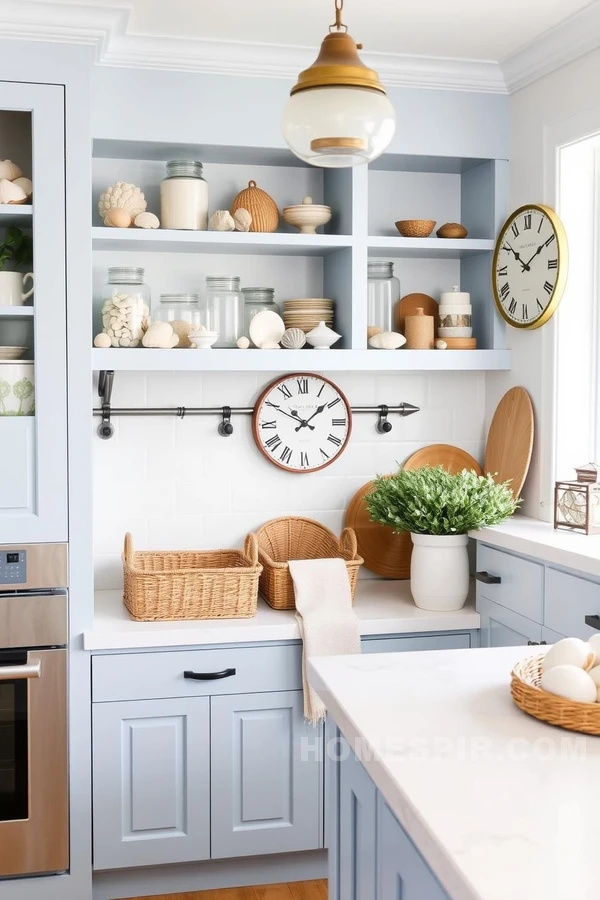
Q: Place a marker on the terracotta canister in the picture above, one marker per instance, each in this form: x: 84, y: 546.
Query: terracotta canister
x: 420, y: 331
x: 260, y: 205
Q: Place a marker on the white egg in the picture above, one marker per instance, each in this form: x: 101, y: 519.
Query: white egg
x: 595, y: 675
x: 570, y: 682
x: 568, y: 652
x: 594, y: 643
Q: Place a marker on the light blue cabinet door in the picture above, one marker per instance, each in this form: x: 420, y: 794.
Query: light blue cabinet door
x: 151, y: 782
x: 551, y: 637
x: 501, y: 627
x: 452, y: 640
x: 357, y: 832
x: 402, y: 873
x: 266, y: 775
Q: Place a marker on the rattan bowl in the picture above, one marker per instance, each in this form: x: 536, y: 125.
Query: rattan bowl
x: 452, y: 230
x: 527, y: 694
x: 415, y: 228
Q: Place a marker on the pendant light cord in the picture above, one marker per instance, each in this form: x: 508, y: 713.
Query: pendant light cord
x: 338, y: 24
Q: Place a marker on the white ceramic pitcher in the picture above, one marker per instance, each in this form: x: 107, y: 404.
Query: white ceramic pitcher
x: 12, y: 288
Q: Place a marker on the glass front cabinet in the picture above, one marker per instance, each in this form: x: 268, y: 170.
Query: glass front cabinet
x: 33, y: 393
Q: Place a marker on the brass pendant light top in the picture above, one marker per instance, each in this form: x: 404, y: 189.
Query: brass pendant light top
x: 338, y: 63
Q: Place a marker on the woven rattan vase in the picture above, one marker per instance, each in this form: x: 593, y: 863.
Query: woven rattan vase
x: 260, y: 205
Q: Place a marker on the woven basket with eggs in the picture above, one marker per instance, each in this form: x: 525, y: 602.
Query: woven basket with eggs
x: 563, y: 687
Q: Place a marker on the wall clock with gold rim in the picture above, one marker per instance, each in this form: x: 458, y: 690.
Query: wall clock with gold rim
x: 302, y: 422
x: 529, y: 270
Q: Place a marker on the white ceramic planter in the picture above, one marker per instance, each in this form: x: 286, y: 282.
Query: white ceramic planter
x: 17, y: 396
x: 12, y: 291
x: 439, y: 571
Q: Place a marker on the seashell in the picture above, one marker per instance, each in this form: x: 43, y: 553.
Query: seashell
x: 25, y: 185
x: 242, y: 219
x: 11, y: 193
x: 243, y: 343
x: 270, y: 345
x: 9, y: 170
x: 372, y: 330
x: 146, y: 220
x: 102, y: 340
x: 441, y: 345
x: 117, y: 218
x: 387, y: 340
x: 122, y: 195
x: 160, y: 334
x: 260, y: 205
x: 221, y: 220
x: 293, y: 339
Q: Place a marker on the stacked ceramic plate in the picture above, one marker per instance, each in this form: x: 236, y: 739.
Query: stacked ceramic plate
x: 307, y: 313
x: 16, y: 352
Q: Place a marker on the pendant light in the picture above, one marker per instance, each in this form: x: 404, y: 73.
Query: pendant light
x: 338, y: 114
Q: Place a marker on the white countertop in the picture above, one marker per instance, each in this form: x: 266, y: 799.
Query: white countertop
x: 570, y: 549
x: 497, y: 802
x: 383, y: 607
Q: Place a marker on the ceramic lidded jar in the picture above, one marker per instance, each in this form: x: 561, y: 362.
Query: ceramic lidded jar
x: 260, y: 205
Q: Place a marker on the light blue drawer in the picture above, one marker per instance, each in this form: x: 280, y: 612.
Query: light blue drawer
x: 568, y: 601
x: 452, y: 641
x: 521, y: 585
x: 142, y: 676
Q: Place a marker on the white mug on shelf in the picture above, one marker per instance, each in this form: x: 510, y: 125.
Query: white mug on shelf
x: 12, y: 288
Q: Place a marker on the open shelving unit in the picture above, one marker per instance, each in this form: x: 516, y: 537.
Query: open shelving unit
x: 366, y: 202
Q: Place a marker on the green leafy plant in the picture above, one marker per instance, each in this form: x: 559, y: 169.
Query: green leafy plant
x: 17, y: 248
x: 432, y: 501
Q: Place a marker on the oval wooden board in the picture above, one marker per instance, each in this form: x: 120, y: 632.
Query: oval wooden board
x: 408, y: 305
x: 451, y: 458
x: 510, y: 440
x: 384, y: 552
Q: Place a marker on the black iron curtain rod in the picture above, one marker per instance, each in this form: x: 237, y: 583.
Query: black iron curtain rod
x: 106, y: 411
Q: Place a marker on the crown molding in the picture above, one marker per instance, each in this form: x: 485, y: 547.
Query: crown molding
x: 106, y: 29
x: 576, y: 36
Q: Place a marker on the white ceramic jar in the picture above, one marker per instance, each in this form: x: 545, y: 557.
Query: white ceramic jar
x: 439, y: 571
x: 184, y: 197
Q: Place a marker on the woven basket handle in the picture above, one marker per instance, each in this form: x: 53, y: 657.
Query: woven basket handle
x: 128, y: 548
x: 348, y: 543
x: 251, y: 548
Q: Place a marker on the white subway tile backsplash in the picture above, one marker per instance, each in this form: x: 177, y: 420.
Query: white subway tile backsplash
x: 178, y: 485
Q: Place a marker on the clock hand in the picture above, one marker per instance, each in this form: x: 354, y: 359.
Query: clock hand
x: 538, y: 251
x: 303, y: 422
x: 517, y: 257
x: 318, y: 410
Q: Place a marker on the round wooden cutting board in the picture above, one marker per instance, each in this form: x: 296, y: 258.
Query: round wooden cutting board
x: 510, y: 440
x: 385, y: 553
x: 409, y: 304
x: 453, y: 459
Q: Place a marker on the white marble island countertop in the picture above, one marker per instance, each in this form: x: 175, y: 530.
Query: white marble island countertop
x: 383, y: 607
x: 501, y: 806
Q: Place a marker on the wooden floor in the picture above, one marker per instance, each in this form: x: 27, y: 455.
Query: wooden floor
x: 299, y: 890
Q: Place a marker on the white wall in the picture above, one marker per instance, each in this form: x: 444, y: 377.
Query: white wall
x: 177, y: 484
x: 533, y: 111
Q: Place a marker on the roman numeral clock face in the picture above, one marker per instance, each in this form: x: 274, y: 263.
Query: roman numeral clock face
x: 529, y: 269
x: 302, y: 422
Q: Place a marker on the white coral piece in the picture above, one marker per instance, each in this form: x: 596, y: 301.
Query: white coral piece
x: 122, y: 195
x: 242, y: 219
x: 160, y: 334
x: 221, y: 220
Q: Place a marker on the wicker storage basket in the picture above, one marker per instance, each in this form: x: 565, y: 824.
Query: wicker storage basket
x: 293, y: 537
x: 529, y: 697
x: 191, y: 584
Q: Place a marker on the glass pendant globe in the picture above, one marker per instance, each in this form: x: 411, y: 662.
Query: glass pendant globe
x: 336, y: 127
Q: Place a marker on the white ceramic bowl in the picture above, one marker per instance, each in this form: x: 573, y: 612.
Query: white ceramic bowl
x: 17, y: 395
x: 12, y: 352
x: 202, y: 340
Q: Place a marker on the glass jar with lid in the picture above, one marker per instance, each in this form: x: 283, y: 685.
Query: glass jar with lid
x: 224, y: 309
x: 257, y: 299
x: 184, y: 196
x: 126, y: 306
x: 182, y: 312
x: 383, y: 292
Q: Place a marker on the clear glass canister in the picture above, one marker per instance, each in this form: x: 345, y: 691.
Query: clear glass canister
x: 257, y: 299
x: 126, y: 306
x: 182, y: 312
x: 224, y: 309
x: 383, y: 292
x: 184, y: 196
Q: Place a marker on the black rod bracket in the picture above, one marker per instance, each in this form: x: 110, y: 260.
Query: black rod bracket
x: 384, y: 426
x: 105, y: 386
x: 225, y: 428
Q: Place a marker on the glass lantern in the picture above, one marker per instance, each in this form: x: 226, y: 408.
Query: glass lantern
x: 577, y: 503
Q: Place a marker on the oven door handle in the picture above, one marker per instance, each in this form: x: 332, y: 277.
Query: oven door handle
x: 13, y: 673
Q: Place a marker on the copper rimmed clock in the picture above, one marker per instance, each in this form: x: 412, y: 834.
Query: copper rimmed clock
x: 302, y: 422
x: 529, y: 270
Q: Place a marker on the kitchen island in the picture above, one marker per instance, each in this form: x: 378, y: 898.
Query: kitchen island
x: 452, y: 791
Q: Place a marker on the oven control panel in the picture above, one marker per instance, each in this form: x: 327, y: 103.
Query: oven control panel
x: 13, y: 567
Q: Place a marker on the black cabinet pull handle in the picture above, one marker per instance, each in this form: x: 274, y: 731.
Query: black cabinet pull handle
x: 536, y: 643
x: 208, y: 676
x: 488, y: 579
x: 593, y: 622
